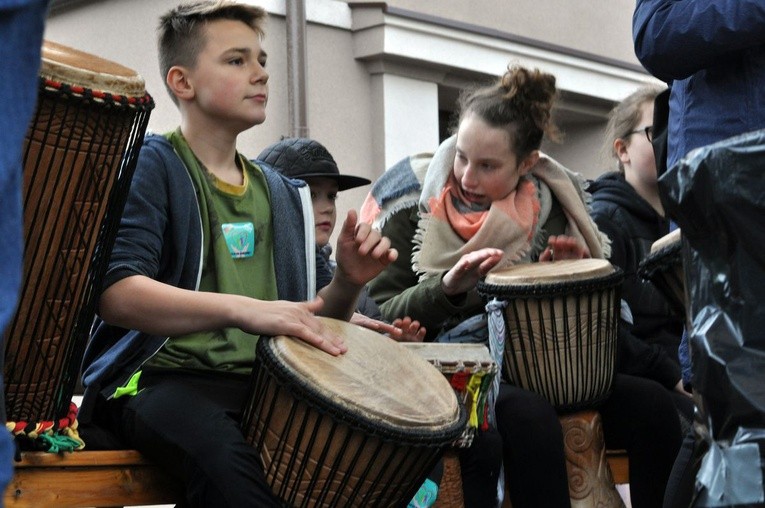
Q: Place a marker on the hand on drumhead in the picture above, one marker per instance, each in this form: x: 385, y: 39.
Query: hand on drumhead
x: 362, y: 252
x: 402, y: 330
x: 295, y: 319
x: 469, y: 269
x: 563, y: 247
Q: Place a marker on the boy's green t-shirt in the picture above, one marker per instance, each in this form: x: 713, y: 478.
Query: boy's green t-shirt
x: 237, y: 259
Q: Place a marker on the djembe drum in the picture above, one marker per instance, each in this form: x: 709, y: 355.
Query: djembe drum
x: 561, y: 323
x: 79, y: 156
x: 561, y: 328
x: 664, y: 267
x: 360, y: 429
x: 470, y: 370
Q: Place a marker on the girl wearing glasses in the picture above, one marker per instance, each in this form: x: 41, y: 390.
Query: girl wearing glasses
x: 626, y: 206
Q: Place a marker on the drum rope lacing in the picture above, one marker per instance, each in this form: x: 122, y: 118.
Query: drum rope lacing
x: 81, y: 92
x: 49, y: 436
x: 496, y: 323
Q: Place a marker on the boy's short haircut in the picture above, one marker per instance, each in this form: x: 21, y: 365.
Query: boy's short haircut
x: 181, y: 30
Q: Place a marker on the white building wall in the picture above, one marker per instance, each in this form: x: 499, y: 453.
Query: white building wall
x: 409, y: 117
x: 374, y: 75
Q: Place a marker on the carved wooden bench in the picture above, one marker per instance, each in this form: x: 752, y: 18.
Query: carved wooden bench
x: 122, y: 478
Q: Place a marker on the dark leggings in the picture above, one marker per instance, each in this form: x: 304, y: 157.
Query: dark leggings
x: 532, y: 442
x: 479, y: 466
x: 639, y: 417
x: 682, y: 481
x: 187, y: 424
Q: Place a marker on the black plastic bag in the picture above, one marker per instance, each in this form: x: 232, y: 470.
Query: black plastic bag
x: 717, y: 197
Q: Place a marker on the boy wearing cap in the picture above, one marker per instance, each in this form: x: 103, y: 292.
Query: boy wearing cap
x: 308, y: 160
x: 198, y: 271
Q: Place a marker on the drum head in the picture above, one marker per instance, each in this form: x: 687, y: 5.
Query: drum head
x: 74, y: 67
x: 377, y: 379
x: 551, y: 272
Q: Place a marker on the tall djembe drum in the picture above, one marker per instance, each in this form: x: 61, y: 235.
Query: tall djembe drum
x: 561, y: 322
x: 79, y: 156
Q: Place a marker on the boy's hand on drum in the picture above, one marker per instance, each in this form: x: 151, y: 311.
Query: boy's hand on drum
x: 295, y: 319
x: 466, y: 273
x: 362, y: 252
x: 401, y: 330
x: 563, y: 247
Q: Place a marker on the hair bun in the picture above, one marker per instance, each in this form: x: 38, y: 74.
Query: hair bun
x: 520, y: 101
x: 530, y: 87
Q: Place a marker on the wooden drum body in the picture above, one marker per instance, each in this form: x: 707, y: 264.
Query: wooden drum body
x: 590, y: 482
x: 664, y: 267
x: 560, y: 328
x: 361, y: 429
x: 79, y: 156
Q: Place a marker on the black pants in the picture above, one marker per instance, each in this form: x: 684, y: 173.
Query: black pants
x: 682, y: 481
x: 479, y: 466
x: 188, y: 424
x: 639, y: 417
x: 532, y: 444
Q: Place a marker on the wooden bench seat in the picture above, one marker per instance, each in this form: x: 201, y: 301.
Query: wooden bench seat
x: 122, y: 478
x: 620, y: 466
x: 88, y: 479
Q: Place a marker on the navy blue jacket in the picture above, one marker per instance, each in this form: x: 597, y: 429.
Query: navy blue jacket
x: 712, y: 53
x: 160, y: 236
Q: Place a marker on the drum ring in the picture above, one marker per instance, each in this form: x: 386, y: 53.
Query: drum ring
x: 570, y: 288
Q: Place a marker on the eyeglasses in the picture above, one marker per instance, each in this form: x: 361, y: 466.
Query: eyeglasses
x: 648, y: 131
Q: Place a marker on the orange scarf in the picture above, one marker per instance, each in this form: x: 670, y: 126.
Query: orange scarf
x: 521, y: 206
x: 509, y: 224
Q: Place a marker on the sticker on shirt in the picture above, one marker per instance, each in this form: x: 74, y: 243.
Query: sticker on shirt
x: 240, y: 238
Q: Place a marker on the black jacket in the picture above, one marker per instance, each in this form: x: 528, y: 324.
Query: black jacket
x: 633, y: 226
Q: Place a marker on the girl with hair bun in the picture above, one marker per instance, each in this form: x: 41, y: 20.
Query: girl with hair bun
x: 486, y: 199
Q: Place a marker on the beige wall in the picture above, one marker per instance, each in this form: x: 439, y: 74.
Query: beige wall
x: 339, y: 109
x: 599, y: 27
x: 373, y: 78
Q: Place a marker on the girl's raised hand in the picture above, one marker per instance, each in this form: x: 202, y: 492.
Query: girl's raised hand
x: 563, y: 247
x: 465, y: 274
